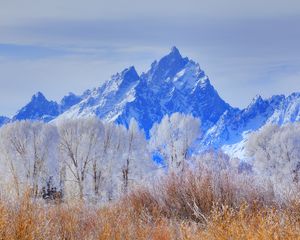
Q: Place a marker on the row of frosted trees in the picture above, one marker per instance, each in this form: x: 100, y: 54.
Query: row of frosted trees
x: 89, y: 159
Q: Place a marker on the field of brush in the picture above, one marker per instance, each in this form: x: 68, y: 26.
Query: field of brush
x: 197, y: 205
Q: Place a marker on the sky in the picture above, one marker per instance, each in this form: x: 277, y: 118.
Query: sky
x: 59, y: 46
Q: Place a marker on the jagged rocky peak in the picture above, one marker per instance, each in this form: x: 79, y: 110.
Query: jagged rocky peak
x: 173, y: 57
x: 39, y: 108
x: 127, y: 74
x: 68, y: 101
x: 256, y: 101
x: 167, y: 66
x: 175, y: 70
x: 277, y: 99
x: 293, y: 96
x: 38, y: 97
x: 172, y: 84
x: 120, y: 81
x: 257, y: 98
x: 130, y: 73
x: 175, y: 52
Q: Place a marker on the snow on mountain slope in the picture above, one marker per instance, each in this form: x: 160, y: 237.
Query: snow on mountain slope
x: 232, y: 130
x: 68, y: 101
x: 172, y: 84
x: 288, y: 110
x: 39, y: 108
x: 107, y: 101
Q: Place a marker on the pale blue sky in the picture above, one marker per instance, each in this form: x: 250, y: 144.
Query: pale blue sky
x: 245, y: 47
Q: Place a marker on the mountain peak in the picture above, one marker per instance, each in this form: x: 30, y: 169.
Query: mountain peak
x: 257, y: 98
x: 39, y: 108
x: 124, y: 78
x: 257, y: 102
x: 38, y: 97
x: 69, y: 100
x: 130, y: 73
x: 174, y: 54
x: 167, y: 66
x: 175, y: 50
x: 172, y: 84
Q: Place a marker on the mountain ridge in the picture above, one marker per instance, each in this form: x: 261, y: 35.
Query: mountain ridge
x: 172, y: 84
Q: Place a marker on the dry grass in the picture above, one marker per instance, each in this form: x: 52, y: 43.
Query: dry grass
x: 194, y: 195
x: 194, y: 207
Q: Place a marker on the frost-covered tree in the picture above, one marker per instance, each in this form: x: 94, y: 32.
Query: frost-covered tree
x: 29, y: 152
x: 113, y: 153
x: 88, y: 159
x: 173, y: 137
x: 101, y: 159
x: 80, y: 147
x: 276, y: 152
x: 101, y: 163
x: 136, y: 161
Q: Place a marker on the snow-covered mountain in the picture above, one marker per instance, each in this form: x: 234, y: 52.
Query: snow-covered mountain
x: 68, y: 101
x: 172, y: 84
x: 232, y: 129
x: 39, y: 108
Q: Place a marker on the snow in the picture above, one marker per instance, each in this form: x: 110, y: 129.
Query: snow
x: 172, y: 84
x: 237, y: 127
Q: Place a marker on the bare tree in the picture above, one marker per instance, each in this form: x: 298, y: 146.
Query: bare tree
x: 115, y: 146
x: 29, y: 149
x: 275, y: 152
x: 173, y: 137
x: 136, y: 161
x: 80, y: 141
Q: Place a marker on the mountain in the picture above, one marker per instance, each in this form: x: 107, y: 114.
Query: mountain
x: 172, y: 84
x: 4, y: 120
x: 68, y: 101
x: 232, y: 130
x: 39, y: 108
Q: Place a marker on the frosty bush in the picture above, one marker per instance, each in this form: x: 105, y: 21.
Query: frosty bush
x: 276, y: 154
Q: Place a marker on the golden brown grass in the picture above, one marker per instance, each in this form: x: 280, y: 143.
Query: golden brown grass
x: 193, y: 207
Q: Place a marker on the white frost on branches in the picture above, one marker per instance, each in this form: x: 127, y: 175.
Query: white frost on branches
x: 173, y: 137
x: 28, y: 153
x: 276, y: 153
